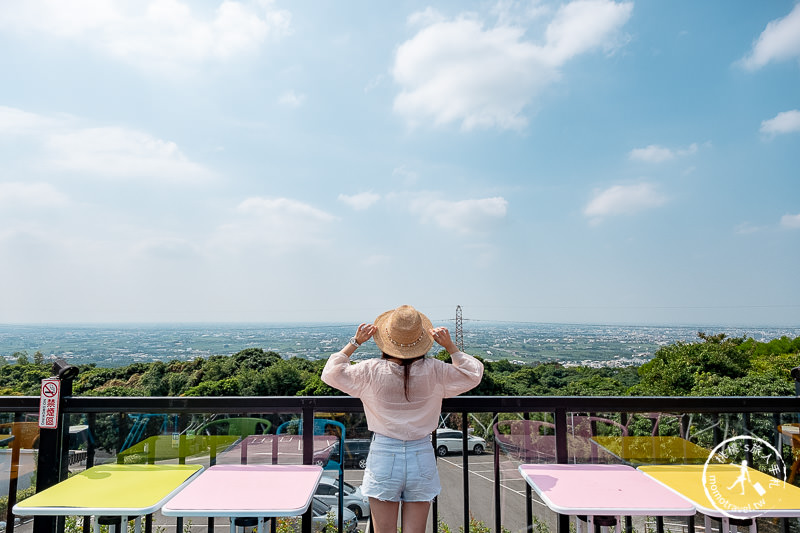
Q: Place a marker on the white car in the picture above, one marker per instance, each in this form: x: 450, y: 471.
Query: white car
x: 450, y: 441
x: 323, y: 514
x: 328, y: 492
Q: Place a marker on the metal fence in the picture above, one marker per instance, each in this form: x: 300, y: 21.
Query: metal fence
x: 760, y: 415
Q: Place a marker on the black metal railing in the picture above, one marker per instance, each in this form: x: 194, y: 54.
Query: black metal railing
x: 53, y: 458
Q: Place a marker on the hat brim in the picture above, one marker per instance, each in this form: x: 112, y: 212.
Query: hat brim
x: 402, y: 352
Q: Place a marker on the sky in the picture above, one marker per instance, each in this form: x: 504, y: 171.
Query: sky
x: 587, y: 161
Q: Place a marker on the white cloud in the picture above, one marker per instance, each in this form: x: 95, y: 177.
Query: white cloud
x: 783, y: 122
x: 791, y: 221
x: 465, y: 216
x: 121, y: 153
x: 274, y: 226
x: 583, y: 25
x: 106, y: 151
x: 624, y: 200
x: 360, y: 201
x: 464, y: 72
x: 16, y: 122
x: 659, y: 154
x: 19, y: 195
x: 166, y: 35
x: 779, y: 41
x: 292, y: 99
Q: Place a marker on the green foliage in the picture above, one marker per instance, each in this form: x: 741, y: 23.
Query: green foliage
x: 687, y: 368
x: 21, y: 495
x: 715, y: 365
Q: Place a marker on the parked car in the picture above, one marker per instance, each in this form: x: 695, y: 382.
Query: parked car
x: 355, y: 453
x: 328, y: 492
x: 450, y: 441
x: 323, y: 514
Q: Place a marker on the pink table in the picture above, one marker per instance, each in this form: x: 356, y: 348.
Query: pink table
x: 601, y: 490
x: 247, y: 491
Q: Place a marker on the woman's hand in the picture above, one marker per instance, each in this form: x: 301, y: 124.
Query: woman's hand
x: 442, y: 338
x: 365, y: 333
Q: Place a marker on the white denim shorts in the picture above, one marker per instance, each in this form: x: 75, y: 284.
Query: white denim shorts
x: 401, y: 471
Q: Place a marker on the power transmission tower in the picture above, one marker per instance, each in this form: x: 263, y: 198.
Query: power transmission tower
x: 459, y: 329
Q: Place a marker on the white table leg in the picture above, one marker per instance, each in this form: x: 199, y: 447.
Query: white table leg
x: 578, y: 525
x: 96, y: 526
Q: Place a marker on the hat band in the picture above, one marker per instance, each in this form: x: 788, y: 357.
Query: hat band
x: 400, y: 344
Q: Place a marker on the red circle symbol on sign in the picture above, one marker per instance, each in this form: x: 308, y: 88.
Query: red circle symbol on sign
x: 50, y: 390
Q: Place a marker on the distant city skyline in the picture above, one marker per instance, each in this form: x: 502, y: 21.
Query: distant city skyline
x: 261, y: 161
x: 588, y: 345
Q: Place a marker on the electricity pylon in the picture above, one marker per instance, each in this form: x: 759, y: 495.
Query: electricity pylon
x: 459, y: 330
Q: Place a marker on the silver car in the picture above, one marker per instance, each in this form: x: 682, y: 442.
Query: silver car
x: 328, y: 492
x: 450, y: 441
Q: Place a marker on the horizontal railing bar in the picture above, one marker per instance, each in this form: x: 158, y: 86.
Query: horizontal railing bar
x: 475, y: 404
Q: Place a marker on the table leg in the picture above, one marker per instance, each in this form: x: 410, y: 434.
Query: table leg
x: 726, y: 525
x: 579, y: 525
x: 707, y: 523
x: 233, y: 525
x: 96, y: 525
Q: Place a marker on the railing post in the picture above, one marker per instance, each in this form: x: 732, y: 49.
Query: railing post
x: 465, y: 464
x: 13, y: 479
x: 308, y: 452
x: 498, y: 521
x: 435, y: 504
x: 562, y: 456
x: 53, y: 462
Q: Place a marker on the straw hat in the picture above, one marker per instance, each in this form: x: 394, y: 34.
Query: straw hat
x: 403, y: 333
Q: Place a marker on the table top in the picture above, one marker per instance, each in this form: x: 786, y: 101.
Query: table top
x: 113, y: 489
x: 588, y: 489
x: 719, y: 492
x: 654, y: 450
x: 247, y: 490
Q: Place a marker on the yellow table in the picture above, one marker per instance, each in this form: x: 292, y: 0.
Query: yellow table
x: 729, y: 491
x: 654, y: 450
x: 111, y: 490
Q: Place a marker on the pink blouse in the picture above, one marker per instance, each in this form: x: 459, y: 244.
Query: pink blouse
x: 379, y: 384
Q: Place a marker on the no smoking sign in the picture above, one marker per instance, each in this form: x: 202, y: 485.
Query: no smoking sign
x: 48, y: 403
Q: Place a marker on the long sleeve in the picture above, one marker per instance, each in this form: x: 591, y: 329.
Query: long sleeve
x: 463, y: 374
x: 340, y: 374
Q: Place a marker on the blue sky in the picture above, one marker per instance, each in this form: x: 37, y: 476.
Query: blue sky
x: 588, y: 161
